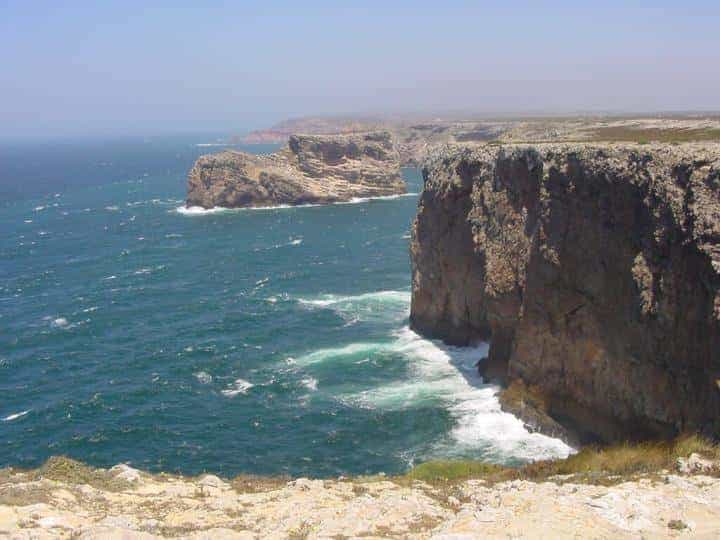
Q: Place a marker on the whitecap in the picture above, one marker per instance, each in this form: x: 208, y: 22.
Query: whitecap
x: 109, y: 277
x: 240, y: 386
x: 311, y: 383
x: 402, y: 297
x: 383, y: 305
x: 28, y: 221
x: 200, y: 211
x: 112, y: 208
x: 358, y: 200
x: 15, y: 416
x: 60, y: 322
x: 203, y: 377
x: 40, y: 208
x: 353, y: 351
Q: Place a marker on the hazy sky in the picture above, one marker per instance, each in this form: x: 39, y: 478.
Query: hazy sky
x: 153, y: 67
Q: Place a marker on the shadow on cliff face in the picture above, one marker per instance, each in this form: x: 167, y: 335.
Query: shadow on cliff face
x: 595, y: 271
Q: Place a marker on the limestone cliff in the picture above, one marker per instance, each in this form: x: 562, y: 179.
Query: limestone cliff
x: 311, y: 169
x: 594, y: 270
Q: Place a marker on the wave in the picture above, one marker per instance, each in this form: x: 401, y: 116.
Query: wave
x: 200, y: 211
x: 387, y: 305
x: 292, y: 242
x: 325, y: 300
x: 353, y: 352
x: 311, y: 383
x: 446, y: 376
x: 240, y: 386
x: 358, y: 200
x: 203, y: 377
x: 15, y: 416
x: 60, y: 322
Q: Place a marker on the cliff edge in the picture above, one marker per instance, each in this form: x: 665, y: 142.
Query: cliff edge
x: 594, y: 271
x: 310, y: 169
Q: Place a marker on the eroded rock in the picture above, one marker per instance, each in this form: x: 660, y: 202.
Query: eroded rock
x: 311, y: 169
x: 594, y: 270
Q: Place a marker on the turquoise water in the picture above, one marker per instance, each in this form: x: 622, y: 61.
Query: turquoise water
x: 257, y: 341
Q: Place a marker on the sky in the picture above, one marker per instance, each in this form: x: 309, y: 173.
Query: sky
x: 126, y: 67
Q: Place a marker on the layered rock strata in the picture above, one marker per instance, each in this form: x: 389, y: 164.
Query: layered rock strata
x: 310, y: 169
x: 594, y: 271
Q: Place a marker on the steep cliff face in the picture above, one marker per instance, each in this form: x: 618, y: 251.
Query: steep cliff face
x: 593, y: 270
x: 311, y: 169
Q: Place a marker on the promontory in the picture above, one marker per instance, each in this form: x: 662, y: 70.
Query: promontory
x: 311, y: 169
x: 592, y: 269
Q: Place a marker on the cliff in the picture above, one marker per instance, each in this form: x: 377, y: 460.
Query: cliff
x: 594, y: 271
x: 311, y: 169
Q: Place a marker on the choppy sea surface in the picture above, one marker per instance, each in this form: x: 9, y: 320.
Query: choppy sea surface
x: 270, y: 341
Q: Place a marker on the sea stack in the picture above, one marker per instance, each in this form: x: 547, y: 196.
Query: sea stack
x: 311, y: 169
x: 592, y: 269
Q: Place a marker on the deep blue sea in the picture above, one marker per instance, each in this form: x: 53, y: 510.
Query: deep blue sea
x: 232, y: 341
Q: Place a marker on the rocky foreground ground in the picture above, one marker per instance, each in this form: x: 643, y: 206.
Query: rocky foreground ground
x: 67, y: 500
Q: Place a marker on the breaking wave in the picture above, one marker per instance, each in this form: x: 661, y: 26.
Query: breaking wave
x: 386, y: 305
x: 200, y: 211
x: 446, y: 376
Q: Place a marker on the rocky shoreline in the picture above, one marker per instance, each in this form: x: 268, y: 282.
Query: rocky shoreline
x: 309, y: 170
x: 594, y: 271
x: 65, y: 499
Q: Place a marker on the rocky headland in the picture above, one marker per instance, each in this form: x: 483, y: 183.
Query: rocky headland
x: 311, y: 169
x: 594, y: 271
x: 418, y: 136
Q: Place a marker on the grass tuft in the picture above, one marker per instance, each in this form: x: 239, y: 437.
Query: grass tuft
x: 447, y: 471
x: 592, y: 464
x: 250, y: 483
x: 70, y: 471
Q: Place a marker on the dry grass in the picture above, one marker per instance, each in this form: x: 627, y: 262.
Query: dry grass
x: 23, y: 495
x: 250, y: 483
x: 624, y: 133
x: 69, y: 471
x: 301, y: 532
x: 592, y: 464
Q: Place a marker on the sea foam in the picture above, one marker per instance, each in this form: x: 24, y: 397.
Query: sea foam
x: 240, y: 386
x: 447, y: 376
x: 15, y: 416
x: 390, y: 306
x: 200, y: 211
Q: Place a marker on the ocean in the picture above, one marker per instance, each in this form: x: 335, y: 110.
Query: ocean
x: 271, y: 341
